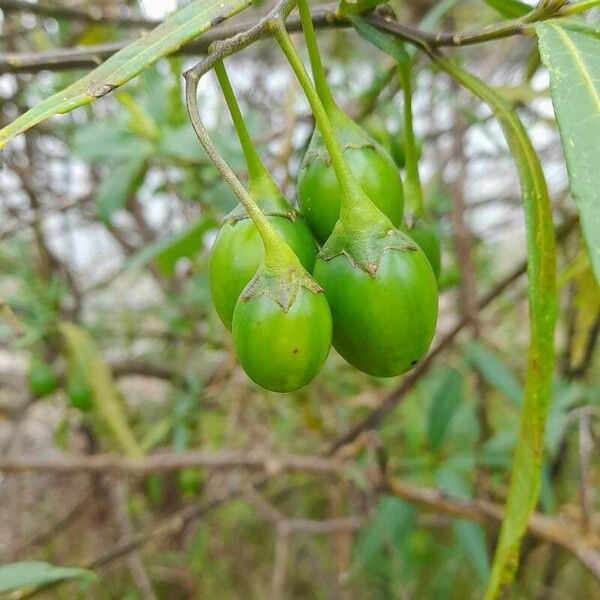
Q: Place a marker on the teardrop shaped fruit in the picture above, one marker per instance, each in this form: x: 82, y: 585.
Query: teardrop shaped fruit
x: 282, y: 330
x: 425, y: 237
x: 383, y: 301
x: 238, y: 252
x: 374, y: 169
x: 41, y: 378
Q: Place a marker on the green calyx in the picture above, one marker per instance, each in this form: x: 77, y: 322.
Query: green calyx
x: 281, y: 283
x: 272, y: 205
x: 365, y: 246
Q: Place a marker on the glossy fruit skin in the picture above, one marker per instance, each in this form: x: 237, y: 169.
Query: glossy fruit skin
x: 319, y: 192
x: 282, y: 351
x: 42, y: 379
x: 382, y: 324
x: 424, y: 236
x: 238, y: 252
x: 79, y: 393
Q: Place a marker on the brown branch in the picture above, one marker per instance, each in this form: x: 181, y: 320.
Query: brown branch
x: 394, y: 397
x: 225, y: 459
x: 95, y: 15
x: 554, y: 530
x: 134, y: 560
x: 323, y: 17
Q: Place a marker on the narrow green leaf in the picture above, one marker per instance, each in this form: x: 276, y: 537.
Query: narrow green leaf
x: 26, y: 574
x: 541, y: 251
x: 117, y: 185
x: 495, y: 372
x: 355, y: 7
x: 573, y: 59
x: 165, y: 253
x: 392, y: 46
x: 471, y: 537
x: 81, y: 350
x: 182, y: 27
x: 444, y: 403
x: 511, y: 9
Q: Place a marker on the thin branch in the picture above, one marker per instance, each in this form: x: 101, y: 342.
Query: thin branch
x: 554, y: 530
x: 134, y: 561
x: 95, y: 15
x: 323, y: 17
x: 225, y: 459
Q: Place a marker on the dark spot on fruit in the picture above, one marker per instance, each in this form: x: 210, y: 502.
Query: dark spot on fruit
x: 413, y: 363
x: 295, y: 350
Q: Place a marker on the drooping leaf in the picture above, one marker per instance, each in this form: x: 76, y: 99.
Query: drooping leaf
x: 511, y: 9
x: 525, y: 475
x: 183, y: 26
x: 444, y: 403
x: 166, y: 253
x: 573, y: 59
x: 82, y: 350
x: 541, y: 252
x: 18, y: 575
x: 117, y: 184
x: 495, y: 372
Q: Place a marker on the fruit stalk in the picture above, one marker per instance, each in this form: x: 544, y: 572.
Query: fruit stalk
x: 355, y: 207
x: 277, y: 252
x: 258, y: 176
x: 314, y: 56
x: 414, y: 192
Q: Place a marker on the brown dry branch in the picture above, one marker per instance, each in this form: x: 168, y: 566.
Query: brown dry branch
x: 224, y: 459
x: 323, y: 17
x: 563, y: 533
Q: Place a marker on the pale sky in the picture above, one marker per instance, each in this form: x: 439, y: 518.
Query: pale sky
x: 158, y: 8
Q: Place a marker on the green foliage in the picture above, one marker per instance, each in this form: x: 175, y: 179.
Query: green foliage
x: 26, y: 574
x: 355, y: 7
x: 511, y: 9
x: 176, y: 385
x: 495, y: 372
x: 444, y: 403
x: 166, y: 252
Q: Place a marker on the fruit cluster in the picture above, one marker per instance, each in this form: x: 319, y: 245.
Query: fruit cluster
x: 345, y: 270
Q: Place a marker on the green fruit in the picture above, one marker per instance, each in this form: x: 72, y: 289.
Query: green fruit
x: 282, y: 331
x: 42, y: 379
x: 374, y: 169
x: 384, y: 316
x: 79, y: 392
x: 189, y: 481
x: 238, y: 252
x: 424, y: 236
x: 392, y: 141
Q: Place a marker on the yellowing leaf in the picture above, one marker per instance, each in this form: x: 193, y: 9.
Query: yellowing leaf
x: 82, y: 350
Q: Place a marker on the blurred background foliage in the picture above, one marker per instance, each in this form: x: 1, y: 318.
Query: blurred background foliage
x: 107, y: 217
